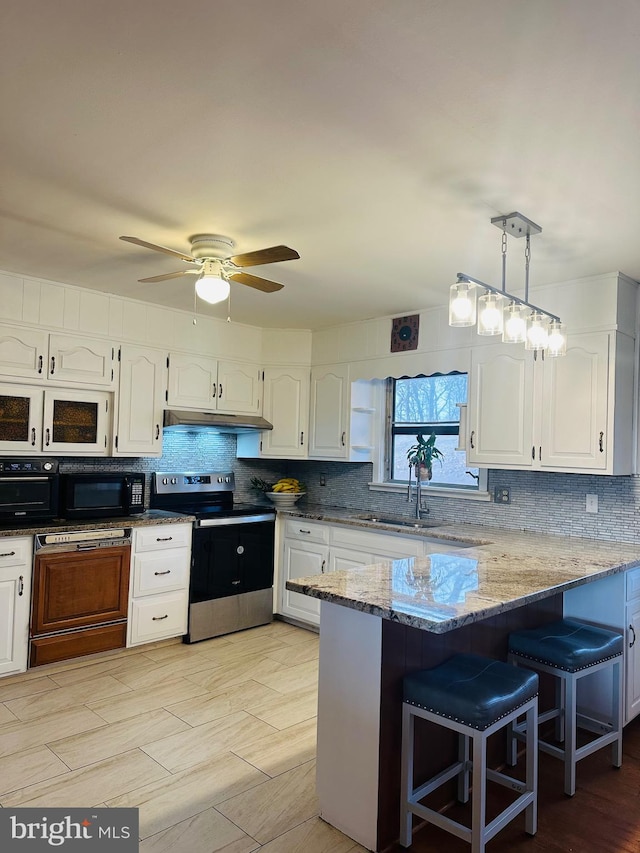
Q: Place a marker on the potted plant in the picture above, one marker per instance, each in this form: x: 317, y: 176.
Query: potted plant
x: 422, y: 454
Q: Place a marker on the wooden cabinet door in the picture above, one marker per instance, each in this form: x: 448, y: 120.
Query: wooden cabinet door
x: 76, y: 422
x: 239, y: 388
x: 23, y: 352
x: 14, y: 617
x: 75, y: 359
x: 141, y: 400
x: 328, y: 425
x: 286, y: 405
x: 500, y: 407
x: 574, y: 405
x: 75, y: 589
x: 193, y: 382
x: 302, y: 559
x: 20, y: 419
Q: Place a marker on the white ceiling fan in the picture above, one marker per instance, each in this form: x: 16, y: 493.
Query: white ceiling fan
x: 211, y: 260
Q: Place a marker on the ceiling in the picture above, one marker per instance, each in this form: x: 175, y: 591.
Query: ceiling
x: 376, y: 137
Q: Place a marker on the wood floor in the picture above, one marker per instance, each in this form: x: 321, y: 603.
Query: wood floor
x: 215, y: 745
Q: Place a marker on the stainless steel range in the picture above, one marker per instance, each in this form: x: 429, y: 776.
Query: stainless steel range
x: 232, y: 559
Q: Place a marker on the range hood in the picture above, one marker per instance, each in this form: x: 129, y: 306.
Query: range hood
x: 180, y: 420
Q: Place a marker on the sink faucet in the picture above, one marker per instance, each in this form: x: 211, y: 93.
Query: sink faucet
x: 421, y: 511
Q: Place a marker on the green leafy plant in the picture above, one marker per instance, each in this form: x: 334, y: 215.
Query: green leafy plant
x: 260, y: 485
x: 422, y: 454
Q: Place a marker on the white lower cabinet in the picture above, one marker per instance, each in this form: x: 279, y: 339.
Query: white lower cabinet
x: 159, y: 588
x: 613, y: 602
x: 15, y: 599
x: 310, y: 548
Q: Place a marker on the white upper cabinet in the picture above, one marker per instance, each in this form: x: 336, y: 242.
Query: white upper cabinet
x: 143, y: 375
x: 286, y: 406
x: 329, y: 417
x: 572, y: 413
x: 56, y: 421
x: 206, y: 384
x: 23, y: 352
x: 86, y: 360
x: 36, y: 355
x: 500, y: 406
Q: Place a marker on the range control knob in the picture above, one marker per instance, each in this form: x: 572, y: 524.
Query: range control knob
x: 47, y: 466
x: 221, y: 479
x: 227, y: 479
x: 164, y: 481
x: 174, y: 480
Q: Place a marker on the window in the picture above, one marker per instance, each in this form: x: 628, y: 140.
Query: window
x: 425, y: 405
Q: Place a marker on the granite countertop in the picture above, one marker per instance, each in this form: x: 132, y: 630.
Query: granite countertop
x: 502, y: 570
x: 151, y: 516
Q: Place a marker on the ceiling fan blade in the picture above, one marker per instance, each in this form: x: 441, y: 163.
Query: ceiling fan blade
x: 169, y: 275
x: 262, y: 284
x: 155, y: 248
x: 265, y: 256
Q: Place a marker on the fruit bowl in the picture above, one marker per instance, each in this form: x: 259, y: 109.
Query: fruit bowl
x: 284, y: 499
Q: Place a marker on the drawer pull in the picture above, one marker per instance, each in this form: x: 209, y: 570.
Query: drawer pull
x: 21, y: 585
x: 33, y: 436
x: 53, y: 365
x: 324, y: 563
x: 633, y: 642
x: 40, y: 364
x: 160, y: 618
x: 235, y: 583
x: 168, y: 572
x: 164, y: 538
x: 473, y: 432
x: 601, y: 442
x: 308, y: 532
x: 8, y: 554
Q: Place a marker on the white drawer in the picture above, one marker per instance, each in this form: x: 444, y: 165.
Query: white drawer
x: 16, y: 551
x: 307, y: 531
x: 158, y: 617
x: 633, y: 584
x: 377, y: 543
x: 159, y: 537
x: 161, y: 571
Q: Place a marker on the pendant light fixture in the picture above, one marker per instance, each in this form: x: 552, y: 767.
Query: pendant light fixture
x: 499, y: 312
x: 212, y: 286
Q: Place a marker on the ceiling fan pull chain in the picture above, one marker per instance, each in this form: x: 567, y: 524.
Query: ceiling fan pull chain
x: 229, y: 308
x: 195, y: 306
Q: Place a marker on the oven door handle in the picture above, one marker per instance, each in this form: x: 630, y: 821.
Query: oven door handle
x: 234, y: 519
x: 23, y: 479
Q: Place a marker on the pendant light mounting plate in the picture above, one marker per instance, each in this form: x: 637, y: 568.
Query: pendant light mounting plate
x: 516, y: 225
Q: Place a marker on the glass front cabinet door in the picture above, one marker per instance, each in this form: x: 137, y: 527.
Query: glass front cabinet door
x: 20, y: 419
x: 75, y: 422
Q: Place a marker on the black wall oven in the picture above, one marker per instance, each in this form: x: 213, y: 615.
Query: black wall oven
x: 28, y: 489
x: 101, y: 495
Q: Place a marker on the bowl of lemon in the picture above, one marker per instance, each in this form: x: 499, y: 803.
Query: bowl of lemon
x: 286, y: 492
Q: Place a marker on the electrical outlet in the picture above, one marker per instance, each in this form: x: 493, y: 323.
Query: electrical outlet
x: 502, y: 495
x: 323, y: 479
x: 592, y: 503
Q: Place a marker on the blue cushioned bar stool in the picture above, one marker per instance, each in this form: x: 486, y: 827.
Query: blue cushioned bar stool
x: 475, y: 697
x: 571, y: 650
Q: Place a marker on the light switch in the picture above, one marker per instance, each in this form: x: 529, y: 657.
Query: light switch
x: 592, y: 503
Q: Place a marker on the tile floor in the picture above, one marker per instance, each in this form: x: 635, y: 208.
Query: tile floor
x: 214, y: 743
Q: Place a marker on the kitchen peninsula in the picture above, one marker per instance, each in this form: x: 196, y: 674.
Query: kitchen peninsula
x: 382, y: 621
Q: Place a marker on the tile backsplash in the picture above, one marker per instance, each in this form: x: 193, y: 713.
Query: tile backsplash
x: 543, y: 502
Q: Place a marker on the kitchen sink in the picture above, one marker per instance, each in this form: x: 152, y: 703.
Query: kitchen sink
x: 399, y: 522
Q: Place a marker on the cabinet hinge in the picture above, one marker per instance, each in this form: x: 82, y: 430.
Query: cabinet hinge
x: 106, y: 405
x: 112, y: 374
x: 105, y: 442
x: 119, y: 353
x: 166, y: 396
x: 113, y: 353
x: 167, y: 362
x: 116, y: 442
x: 263, y: 375
x: 260, y: 445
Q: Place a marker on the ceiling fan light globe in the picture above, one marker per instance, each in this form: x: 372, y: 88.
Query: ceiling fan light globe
x: 212, y: 289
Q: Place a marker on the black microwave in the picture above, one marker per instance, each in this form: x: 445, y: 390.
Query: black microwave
x: 101, y: 495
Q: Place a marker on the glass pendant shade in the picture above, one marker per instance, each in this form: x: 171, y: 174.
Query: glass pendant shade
x: 462, y: 304
x: 212, y: 289
x: 490, y: 314
x: 514, y: 323
x: 557, y: 340
x: 537, y: 331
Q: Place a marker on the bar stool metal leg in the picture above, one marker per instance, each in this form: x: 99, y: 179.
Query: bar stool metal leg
x: 406, y: 785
